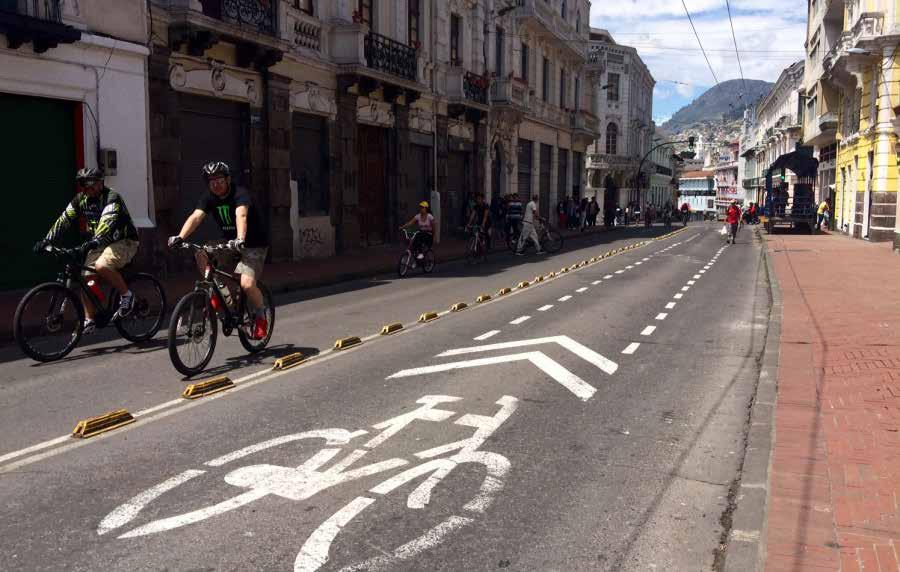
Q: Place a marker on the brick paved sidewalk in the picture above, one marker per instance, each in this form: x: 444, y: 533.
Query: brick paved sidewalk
x: 835, y: 475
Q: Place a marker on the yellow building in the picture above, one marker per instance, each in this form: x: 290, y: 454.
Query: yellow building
x: 863, y: 65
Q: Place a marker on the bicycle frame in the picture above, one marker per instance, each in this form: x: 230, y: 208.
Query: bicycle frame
x: 71, y: 277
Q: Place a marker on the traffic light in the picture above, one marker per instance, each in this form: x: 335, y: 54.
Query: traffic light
x: 782, y: 176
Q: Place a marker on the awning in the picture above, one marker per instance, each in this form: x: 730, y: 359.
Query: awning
x: 800, y: 162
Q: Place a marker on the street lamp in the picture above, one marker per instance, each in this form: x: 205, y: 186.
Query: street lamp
x: 637, y: 179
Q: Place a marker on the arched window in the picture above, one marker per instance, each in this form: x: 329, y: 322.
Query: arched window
x: 612, y: 139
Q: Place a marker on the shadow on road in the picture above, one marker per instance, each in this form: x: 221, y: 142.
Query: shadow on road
x: 267, y: 355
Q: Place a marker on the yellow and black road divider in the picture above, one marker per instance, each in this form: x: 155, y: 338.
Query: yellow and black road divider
x: 289, y: 361
x: 347, y: 343
x: 483, y: 298
x: 503, y: 291
x: 523, y: 284
x: 102, y: 423
x: 389, y: 329
x: 539, y: 278
x: 458, y: 307
x: 428, y: 317
x: 207, y: 387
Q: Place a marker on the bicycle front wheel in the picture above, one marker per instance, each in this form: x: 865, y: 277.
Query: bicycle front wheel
x: 148, y: 311
x: 193, y: 330
x: 251, y: 344
x: 552, y: 242
x: 472, y: 253
x: 48, y: 322
x: 428, y: 262
x: 404, y: 264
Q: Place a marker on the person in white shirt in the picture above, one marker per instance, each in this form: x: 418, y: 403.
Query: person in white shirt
x: 528, y: 228
x: 425, y: 237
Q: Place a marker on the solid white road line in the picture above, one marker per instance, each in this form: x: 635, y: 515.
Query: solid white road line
x: 564, y: 298
x: 545, y: 308
x: 678, y: 296
x: 662, y: 316
x: 486, y: 335
x: 582, y: 289
x: 648, y: 330
x: 670, y: 305
x: 632, y: 347
x: 520, y: 320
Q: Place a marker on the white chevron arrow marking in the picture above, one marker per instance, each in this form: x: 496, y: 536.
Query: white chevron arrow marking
x: 576, y: 348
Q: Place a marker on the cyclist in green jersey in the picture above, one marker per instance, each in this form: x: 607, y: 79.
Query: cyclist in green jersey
x: 112, y: 240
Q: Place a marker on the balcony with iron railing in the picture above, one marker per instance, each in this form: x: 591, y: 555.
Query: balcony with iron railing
x: 465, y: 86
x: 390, y: 56
x: 37, y: 21
x: 257, y: 15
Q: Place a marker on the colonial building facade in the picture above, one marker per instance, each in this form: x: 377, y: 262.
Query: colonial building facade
x: 342, y: 116
x: 623, y: 103
x: 663, y: 177
x: 73, y: 92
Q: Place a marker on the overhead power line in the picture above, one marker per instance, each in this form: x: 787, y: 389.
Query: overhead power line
x: 696, y: 35
x: 736, y: 52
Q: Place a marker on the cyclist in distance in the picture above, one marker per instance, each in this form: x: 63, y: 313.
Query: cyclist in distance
x: 481, y: 216
x: 112, y: 242
x: 234, y: 212
x: 423, y: 239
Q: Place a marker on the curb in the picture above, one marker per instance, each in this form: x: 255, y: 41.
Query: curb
x: 747, y: 539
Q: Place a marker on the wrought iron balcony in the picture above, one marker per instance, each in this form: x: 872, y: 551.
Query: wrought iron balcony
x: 37, y: 21
x: 390, y: 56
x: 256, y: 14
x: 476, y: 87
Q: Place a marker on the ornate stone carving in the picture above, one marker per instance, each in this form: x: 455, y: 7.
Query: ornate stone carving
x: 312, y: 98
x: 213, y: 80
x: 374, y: 112
x: 421, y: 120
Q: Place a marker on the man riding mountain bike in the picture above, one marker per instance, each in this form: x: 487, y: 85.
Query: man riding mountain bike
x: 234, y: 212
x: 113, y: 239
x: 481, y: 217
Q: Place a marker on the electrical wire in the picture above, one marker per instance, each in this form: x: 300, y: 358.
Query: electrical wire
x: 736, y: 52
x: 691, y: 20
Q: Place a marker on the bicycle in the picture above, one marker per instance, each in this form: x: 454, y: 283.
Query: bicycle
x: 551, y: 240
x: 193, y: 328
x: 317, y: 474
x: 51, y: 314
x: 408, y: 258
x: 476, y: 246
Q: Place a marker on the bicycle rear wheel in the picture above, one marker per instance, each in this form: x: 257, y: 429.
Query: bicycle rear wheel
x: 405, y: 263
x: 428, y: 262
x: 193, y: 330
x: 472, y: 254
x: 48, y: 322
x: 552, y: 242
x: 148, y: 311
x: 249, y: 316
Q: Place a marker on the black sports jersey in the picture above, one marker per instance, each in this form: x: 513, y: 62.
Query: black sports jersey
x: 223, y: 210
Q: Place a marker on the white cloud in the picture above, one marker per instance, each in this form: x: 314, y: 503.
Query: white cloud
x: 684, y: 89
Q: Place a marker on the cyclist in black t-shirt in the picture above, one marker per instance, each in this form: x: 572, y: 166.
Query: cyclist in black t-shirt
x: 481, y: 216
x: 239, y: 220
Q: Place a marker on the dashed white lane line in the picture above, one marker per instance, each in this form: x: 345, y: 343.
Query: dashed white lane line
x: 638, y: 263
x: 646, y: 259
x: 662, y: 316
x: 486, y: 335
x: 691, y: 282
x: 648, y: 330
x: 595, y: 282
x: 519, y: 320
x: 545, y: 308
x: 702, y: 271
x: 685, y: 288
x: 707, y: 267
x: 608, y: 276
x: 670, y: 305
x: 564, y: 298
x: 696, y: 277
x: 632, y: 347
x: 582, y: 289
x: 629, y: 267
x: 619, y: 271
x: 678, y: 296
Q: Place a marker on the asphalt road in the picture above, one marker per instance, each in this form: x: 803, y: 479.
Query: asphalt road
x: 529, y: 433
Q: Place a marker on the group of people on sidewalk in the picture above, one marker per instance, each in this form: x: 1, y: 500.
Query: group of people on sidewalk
x: 573, y: 214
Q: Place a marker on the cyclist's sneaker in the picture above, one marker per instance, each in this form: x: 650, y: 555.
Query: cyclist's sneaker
x: 520, y: 253
x: 260, y: 328
x: 420, y: 256
x: 89, y: 328
x: 126, y: 304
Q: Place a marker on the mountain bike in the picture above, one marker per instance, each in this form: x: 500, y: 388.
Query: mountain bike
x: 476, y: 246
x: 193, y: 328
x: 49, y: 320
x: 551, y: 240
x: 409, y: 259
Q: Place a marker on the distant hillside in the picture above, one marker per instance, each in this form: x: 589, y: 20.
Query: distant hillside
x: 726, y: 100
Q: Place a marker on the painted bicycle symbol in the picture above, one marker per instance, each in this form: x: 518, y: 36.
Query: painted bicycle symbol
x: 316, y: 475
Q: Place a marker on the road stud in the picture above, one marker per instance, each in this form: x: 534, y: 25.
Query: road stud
x: 504, y: 291
x: 428, y: 317
x: 102, y: 423
x: 563, y: 270
x: 289, y: 361
x: 207, y: 387
x: 523, y: 284
x: 538, y: 279
x: 346, y: 343
x: 458, y: 307
x: 483, y: 298
x: 389, y: 329
x: 551, y: 275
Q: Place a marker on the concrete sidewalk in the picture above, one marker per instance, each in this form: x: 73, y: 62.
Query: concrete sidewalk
x: 834, y: 486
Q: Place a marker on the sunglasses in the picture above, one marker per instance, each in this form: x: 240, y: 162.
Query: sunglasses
x: 87, y: 182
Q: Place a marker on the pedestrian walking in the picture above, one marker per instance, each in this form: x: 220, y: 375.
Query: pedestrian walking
x: 529, y: 231
x: 583, y: 213
x: 733, y: 219
x: 514, y: 213
x: 595, y: 210
x: 823, y: 213
x: 561, y: 213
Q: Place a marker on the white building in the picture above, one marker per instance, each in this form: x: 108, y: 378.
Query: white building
x: 73, y: 88
x: 662, y: 186
x: 624, y: 106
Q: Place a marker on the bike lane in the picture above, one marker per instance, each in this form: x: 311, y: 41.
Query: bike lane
x: 546, y: 465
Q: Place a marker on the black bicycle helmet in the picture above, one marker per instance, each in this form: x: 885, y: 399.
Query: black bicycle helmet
x: 88, y: 174
x: 216, y: 168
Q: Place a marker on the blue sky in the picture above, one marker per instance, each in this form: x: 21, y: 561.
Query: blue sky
x: 770, y: 36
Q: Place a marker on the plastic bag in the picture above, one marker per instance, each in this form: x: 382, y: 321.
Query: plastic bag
x: 724, y: 230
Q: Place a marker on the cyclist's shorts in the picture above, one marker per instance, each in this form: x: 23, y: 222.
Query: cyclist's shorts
x: 115, y: 255
x: 252, y: 262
